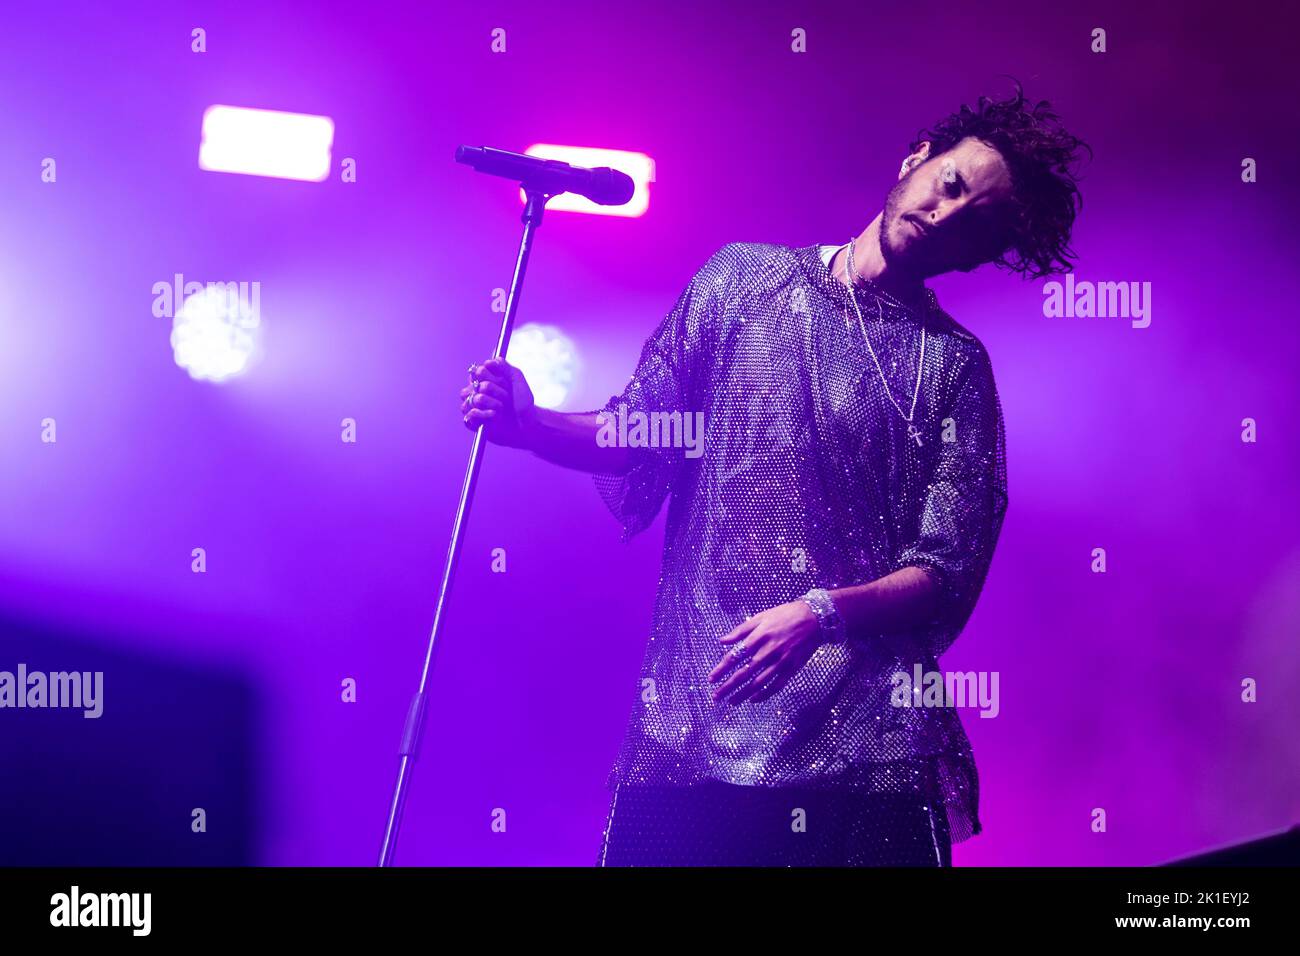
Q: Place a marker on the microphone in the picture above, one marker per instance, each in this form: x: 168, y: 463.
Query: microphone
x: 602, y: 185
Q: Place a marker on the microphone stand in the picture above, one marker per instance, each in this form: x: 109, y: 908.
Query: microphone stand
x: 537, y: 195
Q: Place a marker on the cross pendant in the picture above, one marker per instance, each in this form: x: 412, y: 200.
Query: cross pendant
x: 915, y: 434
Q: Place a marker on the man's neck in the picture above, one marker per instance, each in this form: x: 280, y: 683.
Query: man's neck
x: 869, y: 264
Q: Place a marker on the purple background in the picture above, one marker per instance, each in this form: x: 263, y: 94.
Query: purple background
x: 1119, y: 691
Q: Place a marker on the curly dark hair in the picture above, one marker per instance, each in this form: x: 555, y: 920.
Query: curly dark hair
x: 1045, y: 194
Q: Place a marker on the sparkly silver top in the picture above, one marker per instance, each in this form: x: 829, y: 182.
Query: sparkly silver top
x: 807, y: 479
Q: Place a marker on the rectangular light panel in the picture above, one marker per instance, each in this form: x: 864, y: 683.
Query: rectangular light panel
x: 639, y: 166
x: 266, y: 143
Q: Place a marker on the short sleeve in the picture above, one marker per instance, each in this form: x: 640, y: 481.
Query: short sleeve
x: 669, y: 377
x: 965, y: 501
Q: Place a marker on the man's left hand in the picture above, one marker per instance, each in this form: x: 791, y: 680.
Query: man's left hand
x: 765, y: 651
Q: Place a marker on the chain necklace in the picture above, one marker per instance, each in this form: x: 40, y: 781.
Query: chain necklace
x: 913, y: 432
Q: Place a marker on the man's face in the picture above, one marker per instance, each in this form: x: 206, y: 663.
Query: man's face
x: 947, y: 212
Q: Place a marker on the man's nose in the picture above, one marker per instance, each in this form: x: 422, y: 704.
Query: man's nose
x: 948, y: 207
x: 945, y: 213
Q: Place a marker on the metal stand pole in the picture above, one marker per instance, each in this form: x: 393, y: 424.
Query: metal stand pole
x: 411, y: 733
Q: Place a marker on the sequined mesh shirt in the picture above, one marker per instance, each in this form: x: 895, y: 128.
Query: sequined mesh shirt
x: 806, y: 477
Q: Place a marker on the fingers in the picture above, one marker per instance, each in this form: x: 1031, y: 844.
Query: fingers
x: 476, y: 417
x: 487, y: 395
x: 741, y: 629
x: 480, y: 401
x: 742, y: 670
x: 739, y: 680
x: 733, y: 657
x: 496, y: 371
x: 764, y: 685
x: 484, y: 387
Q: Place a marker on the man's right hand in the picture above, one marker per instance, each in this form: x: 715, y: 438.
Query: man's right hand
x: 501, y: 402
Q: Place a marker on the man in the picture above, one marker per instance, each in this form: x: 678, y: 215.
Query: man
x: 838, y: 527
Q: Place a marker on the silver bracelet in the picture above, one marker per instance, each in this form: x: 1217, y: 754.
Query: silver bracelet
x: 832, y: 625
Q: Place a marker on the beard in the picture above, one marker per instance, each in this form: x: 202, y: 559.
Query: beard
x: 890, y: 252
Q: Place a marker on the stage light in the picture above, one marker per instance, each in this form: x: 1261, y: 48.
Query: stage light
x: 215, y: 332
x: 639, y: 166
x: 548, y: 360
x: 266, y: 143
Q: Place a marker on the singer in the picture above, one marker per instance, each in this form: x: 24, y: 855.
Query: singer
x: 839, y: 525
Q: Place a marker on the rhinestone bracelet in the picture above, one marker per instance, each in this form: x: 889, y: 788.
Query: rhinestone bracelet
x: 832, y: 625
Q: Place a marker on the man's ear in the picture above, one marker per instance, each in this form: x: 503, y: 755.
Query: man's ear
x: 916, y: 159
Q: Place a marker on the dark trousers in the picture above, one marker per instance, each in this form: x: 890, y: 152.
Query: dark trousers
x: 720, y: 824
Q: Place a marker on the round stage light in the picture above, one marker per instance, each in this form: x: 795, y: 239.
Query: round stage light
x: 548, y: 360
x: 215, y: 332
